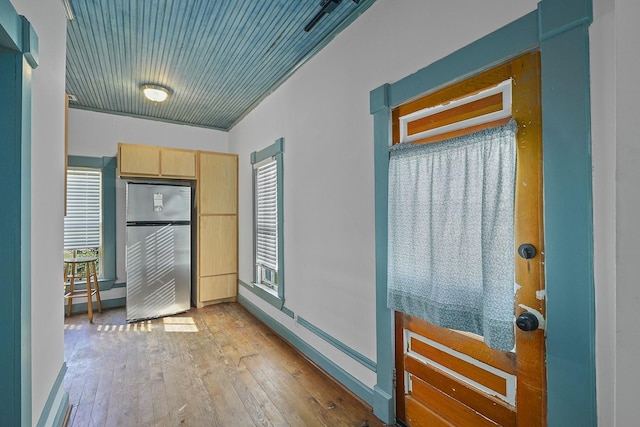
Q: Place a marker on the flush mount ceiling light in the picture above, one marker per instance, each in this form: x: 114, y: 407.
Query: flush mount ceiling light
x: 155, y: 93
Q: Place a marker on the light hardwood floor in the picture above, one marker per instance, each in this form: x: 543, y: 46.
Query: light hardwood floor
x: 216, y: 366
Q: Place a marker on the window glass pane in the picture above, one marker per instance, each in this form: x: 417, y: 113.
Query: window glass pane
x: 83, y: 223
x: 267, y: 215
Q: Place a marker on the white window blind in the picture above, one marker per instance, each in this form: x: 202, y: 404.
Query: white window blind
x: 83, y: 221
x: 267, y: 215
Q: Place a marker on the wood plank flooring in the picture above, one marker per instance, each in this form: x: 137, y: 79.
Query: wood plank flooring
x: 216, y: 366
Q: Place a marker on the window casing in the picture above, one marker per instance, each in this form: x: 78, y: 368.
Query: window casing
x: 107, y: 255
x: 268, y: 221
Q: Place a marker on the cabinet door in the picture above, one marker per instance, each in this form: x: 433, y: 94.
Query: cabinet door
x: 178, y: 163
x: 138, y: 160
x: 218, y: 240
x: 218, y: 184
x: 218, y: 287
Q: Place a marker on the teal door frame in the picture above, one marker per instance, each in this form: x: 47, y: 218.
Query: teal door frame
x: 18, y: 57
x: 559, y: 29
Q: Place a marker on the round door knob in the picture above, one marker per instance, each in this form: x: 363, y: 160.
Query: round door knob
x: 527, y: 321
x: 527, y: 251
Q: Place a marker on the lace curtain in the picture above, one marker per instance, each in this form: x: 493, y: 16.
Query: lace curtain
x: 451, y: 241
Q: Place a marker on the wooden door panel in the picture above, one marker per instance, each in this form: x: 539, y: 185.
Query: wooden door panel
x: 470, y: 345
x: 447, y: 407
x: 456, y: 362
x: 452, y: 378
x: 491, y: 407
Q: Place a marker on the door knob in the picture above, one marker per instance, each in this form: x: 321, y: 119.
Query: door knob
x: 527, y: 251
x: 527, y: 321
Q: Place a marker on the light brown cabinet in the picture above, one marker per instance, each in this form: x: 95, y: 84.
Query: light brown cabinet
x: 155, y: 162
x: 217, y: 230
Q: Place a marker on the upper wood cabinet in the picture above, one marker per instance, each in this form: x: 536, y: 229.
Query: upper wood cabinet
x: 218, y: 184
x: 178, y: 163
x: 150, y: 161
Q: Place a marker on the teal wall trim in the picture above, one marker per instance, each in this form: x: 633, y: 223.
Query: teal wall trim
x: 571, y: 381
x: 270, y: 151
x: 559, y: 29
x: 358, y: 357
x: 106, y: 304
x: 557, y: 17
x: 108, y: 167
x: 24, y: 327
x: 10, y: 27
x: 60, y: 410
x: 15, y: 219
x: 342, y: 376
x: 495, y: 48
x: 29, y: 43
x: 264, y: 294
x: 384, y: 407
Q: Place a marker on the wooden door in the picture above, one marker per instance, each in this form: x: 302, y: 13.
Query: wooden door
x: 451, y: 378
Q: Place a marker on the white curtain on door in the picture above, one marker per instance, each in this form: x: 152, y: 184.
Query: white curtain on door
x: 451, y: 241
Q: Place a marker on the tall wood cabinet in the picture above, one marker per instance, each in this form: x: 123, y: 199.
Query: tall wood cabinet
x: 215, y: 231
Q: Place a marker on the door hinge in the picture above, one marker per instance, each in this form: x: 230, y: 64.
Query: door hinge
x: 395, y: 381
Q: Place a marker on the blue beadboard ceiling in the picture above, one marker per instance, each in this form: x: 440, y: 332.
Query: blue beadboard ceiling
x: 218, y: 57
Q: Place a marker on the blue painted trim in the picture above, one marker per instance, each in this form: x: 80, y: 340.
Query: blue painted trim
x: 48, y: 409
x: 109, y: 248
x: 270, y: 151
x: 495, y: 48
x: 15, y: 217
x: 10, y: 27
x: 568, y: 222
x: 288, y: 312
x: 275, y: 150
x: 358, y: 357
x: 23, y: 327
x: 557, y: 17
x: 335, y: 371
x: 264, y: 294
x: 29, y: 43
x: 108, y: 167
x: 559, y: 28
x: 384, y: 404
x: 119, y: 285
x: 106, y: 304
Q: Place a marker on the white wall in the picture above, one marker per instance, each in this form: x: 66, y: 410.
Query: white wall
x: 97, y: 135
x: 603, y: 103
x: 323, y: 113
x: 627, y: 206
x: 47, y: 352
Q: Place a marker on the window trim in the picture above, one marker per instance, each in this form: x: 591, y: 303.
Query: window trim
x: 107, y: 166
x: 274, y: 298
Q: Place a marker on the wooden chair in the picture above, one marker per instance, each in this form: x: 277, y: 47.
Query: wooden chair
x: 92, y: 288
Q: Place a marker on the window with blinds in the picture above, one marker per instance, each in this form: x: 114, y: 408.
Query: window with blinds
x: 266, y: 218
x: 83, y: 223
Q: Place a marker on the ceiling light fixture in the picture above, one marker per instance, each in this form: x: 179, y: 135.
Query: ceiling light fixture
x: 155, y: 93
x: 68, y: 10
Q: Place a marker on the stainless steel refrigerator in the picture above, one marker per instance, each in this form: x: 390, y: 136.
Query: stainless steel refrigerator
x: 158, y: 258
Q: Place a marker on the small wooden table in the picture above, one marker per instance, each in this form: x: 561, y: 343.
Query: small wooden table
x: 70, y: 276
